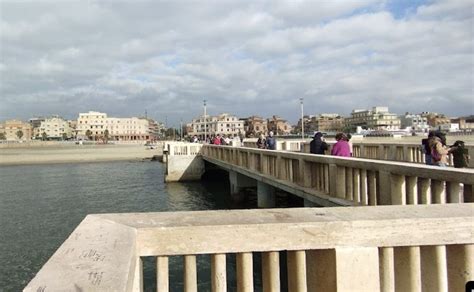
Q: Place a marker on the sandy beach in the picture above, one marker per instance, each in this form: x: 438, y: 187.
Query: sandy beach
x: 75, y: 153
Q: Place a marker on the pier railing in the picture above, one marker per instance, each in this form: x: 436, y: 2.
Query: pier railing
x: 385, y: 248
x: 354, y: 180
x: 392, y: 151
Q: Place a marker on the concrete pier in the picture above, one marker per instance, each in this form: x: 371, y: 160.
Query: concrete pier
x: 265, y: 195
x: 238, y: 182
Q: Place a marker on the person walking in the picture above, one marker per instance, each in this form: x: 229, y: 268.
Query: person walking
x: 426, y: 149
x: 270, y: 142
x: 261, y: 142
x: 341, y: 148
x: 317, y: 145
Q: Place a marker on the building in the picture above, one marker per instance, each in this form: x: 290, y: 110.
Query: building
x: 321, y: 123
x: 223, y: 124
x: 378, y: 118
x: 15, y: 130
x: 98, y: 126
x: 465, y: 123
x: 254, y: 126
x: 416, y: 122
x: 279, y: 126
x: 55, y: 128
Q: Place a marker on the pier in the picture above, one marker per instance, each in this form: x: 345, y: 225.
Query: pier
x: 399, y: 227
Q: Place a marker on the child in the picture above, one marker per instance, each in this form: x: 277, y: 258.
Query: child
x: 460, y: 154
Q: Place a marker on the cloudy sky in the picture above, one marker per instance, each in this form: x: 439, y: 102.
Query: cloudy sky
x: 244, y: 57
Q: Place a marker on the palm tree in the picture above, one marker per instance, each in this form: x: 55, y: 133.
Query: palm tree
x: 44, y: 136
x: 19, y: 134
x: 64, y: 136
x: 3, y: 136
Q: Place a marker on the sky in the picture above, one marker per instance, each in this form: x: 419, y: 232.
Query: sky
x: 244, y: 57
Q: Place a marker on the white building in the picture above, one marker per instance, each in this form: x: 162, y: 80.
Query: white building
x: 98, y: 126
x: 55, y: 128
x: 223, y: 124
x: 378, y: 118
x: 416, y: 122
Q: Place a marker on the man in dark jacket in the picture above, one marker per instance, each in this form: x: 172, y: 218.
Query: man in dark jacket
x: 270, y: 142
x: 317, y: 145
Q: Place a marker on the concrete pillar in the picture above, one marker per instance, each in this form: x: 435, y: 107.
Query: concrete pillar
x: 265, y: 195
x: 238, y: 182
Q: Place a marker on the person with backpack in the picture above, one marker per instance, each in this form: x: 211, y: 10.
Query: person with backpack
x: 439, y: 151
x: 317, y: 145
x: 270, y: 142
x: 460, y: 154
x: 426, y: 149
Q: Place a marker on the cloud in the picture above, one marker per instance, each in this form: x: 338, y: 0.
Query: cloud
x: 244, y: 57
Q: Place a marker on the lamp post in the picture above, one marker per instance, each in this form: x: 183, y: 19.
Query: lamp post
x: 302, y: 120
x: 205, y: 123
x: 181, y: 129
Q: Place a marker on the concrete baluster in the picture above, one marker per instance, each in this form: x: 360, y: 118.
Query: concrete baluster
x: 406, y: 153
x: 407, y: 269
x: 341, y: 182
x: 271, y: 271
x: 424, y: 191
x: 438, y: 192
x: 460, y: 265
x: 454, y: 192
x: 380, y: 152
x: 364, y: 196
x: 356, y: 185
x: 349, y: 187
x: 434, y: 272
x: 398, y: 189
x: 190, y: 273
x: 218, y: 273
x: 412, y: 190
x: 372, y: 188
x: 326, y: 178
x: 244, y: 272
x: 386, y: 269
x: 138, y: 275
x: 162, y: 274
x: 297, y: 271
x: 384, y: 196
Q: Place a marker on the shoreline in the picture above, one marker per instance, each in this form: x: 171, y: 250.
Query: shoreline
x: 53, y: 155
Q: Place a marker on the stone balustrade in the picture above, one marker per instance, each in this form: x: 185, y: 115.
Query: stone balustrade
x: 393, y: 151
x: 384, y: 248
x: 346, y: 181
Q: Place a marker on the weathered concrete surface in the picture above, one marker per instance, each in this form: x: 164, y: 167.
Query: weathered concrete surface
x: 98, y: 256
x: 102, y: 254
x: 184, y: 168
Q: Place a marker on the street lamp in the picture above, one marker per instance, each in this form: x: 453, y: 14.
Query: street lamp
x: 205, y: 122
x: 302, y: 120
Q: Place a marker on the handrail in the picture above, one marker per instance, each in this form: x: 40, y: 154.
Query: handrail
x: 361, y: 181
x: 368, y: 248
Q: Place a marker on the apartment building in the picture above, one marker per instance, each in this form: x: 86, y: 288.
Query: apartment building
x: 54, y: 128
x: 377, y: 118
x: 15, y: 130
x: 223, y: 124
x: 416, y: 122
x: 98, y: 126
